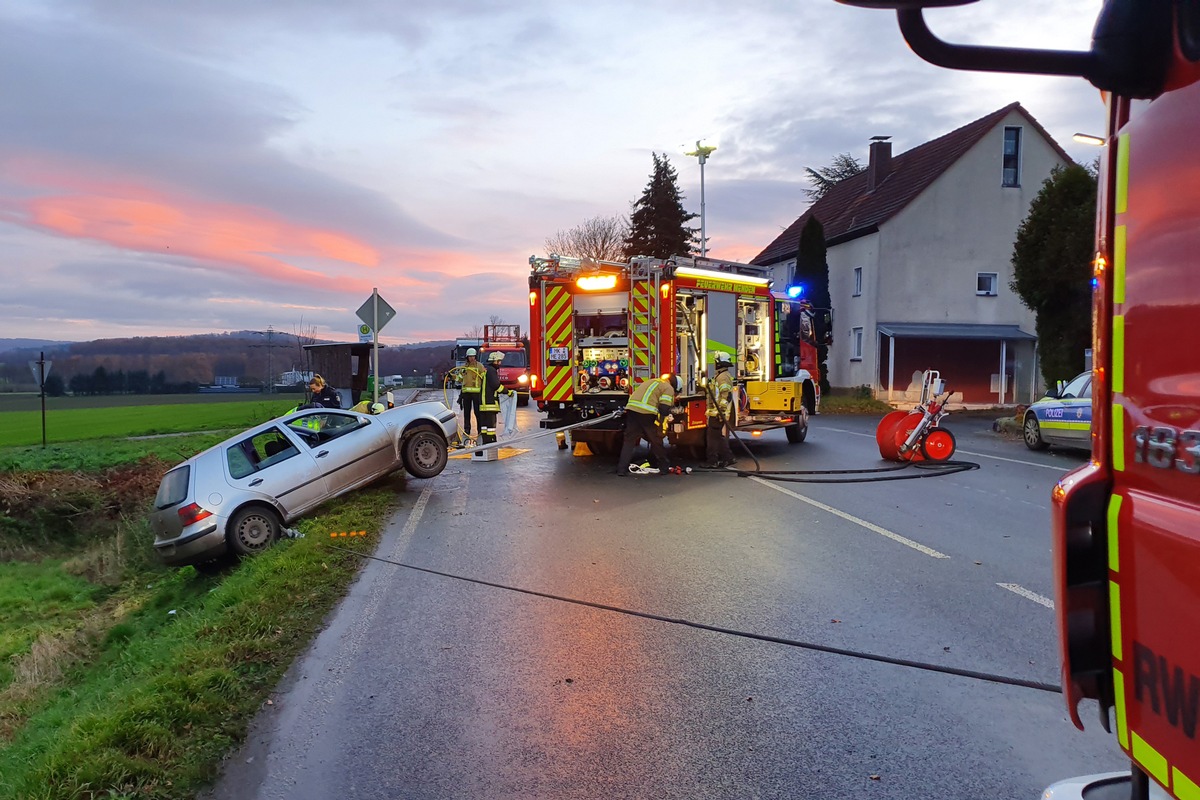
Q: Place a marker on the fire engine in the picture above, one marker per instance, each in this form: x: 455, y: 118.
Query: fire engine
x: 599, y: 328
x: 1127, y: 524
x: 514, y: 369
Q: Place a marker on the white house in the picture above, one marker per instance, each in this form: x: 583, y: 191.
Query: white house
x: 919, y: 253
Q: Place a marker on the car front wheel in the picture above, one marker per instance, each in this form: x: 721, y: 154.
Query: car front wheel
x: 253, y: 530
x: 1032, y: 433
x: 424, y: 453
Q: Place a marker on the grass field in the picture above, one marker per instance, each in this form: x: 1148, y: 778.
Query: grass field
x: 71, y: 421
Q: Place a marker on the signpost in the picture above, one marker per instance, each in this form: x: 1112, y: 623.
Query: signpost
x: 40, y: 369
x: 376, y: 313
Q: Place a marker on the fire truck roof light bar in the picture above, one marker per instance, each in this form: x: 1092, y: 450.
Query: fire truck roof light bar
x: 596, y: 283
x: 692, y: 272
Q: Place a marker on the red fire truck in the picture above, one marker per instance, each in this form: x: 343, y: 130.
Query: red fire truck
x: 598, y: 328
x: 514, y: 369
x: 1127, y: 525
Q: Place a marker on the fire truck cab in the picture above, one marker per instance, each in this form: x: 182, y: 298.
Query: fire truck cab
x: 514, y: 369
x: 599, y: 328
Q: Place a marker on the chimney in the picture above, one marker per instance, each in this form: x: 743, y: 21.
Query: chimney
x: 880, y: 164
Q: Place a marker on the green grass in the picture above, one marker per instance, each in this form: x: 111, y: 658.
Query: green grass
x: 842, y: 404
x: 69, y: 424
x: 162, y: 697
x: 101, y: 453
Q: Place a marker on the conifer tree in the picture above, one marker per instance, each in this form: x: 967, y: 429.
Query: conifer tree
x: 812, y: 270
x: 658, y: 224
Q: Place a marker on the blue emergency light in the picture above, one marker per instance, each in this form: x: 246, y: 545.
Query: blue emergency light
x: 795, y: 290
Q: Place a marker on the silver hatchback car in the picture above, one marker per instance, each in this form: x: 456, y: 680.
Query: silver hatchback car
x: 237, y: 497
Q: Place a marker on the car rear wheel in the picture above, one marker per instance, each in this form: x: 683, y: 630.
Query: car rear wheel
x: 424, y: 453
x: 1031, y: 432
x: 253, y: 530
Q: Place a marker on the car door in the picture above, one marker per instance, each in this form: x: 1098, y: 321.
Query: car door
x: 272, y: 463
x: 349, y: 449
x: 1067, y: 419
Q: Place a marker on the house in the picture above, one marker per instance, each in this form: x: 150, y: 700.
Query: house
x: 919, y: 252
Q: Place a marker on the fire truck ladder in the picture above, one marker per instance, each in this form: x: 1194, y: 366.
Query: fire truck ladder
x: 644, y: 316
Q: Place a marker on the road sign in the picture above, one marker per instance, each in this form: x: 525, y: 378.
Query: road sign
x: 364, y: 333
x: 38, y: 375
x: 367, y: 312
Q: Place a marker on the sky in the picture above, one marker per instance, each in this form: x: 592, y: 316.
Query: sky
x: 172, y: 168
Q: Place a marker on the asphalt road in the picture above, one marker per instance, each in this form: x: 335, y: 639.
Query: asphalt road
x: 429, y: 686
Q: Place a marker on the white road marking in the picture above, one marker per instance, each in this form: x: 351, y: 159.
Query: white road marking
x: 1054, y: 467
x: 851, y: 518
x: 1028, y: 595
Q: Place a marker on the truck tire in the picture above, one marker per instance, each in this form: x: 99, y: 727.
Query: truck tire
x: 808, y: 396
x: 796, y: 433
x: 522, y: 400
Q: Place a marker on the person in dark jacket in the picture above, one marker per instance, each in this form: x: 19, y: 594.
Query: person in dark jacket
x: 489, y: 402
x: 323, y: 394
x: 649, y: 403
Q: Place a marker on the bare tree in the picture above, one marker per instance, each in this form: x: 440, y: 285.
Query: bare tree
x: 474, y: 332
x: 601, y: 238
x: 495, y: 319
x: 305, y: 334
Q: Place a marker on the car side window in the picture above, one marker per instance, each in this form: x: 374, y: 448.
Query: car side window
x: 320, y: 426
x: 1087, y: 390
x: 1077, y: 387
x: 259, y: 452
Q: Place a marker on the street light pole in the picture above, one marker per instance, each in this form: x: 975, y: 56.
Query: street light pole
x: 702, y: 152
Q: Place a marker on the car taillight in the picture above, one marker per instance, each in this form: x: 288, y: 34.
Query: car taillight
x: 192, y: 513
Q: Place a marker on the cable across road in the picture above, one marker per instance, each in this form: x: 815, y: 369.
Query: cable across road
x: 760, y: 637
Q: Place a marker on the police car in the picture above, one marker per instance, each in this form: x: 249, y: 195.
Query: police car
x: 1063, y: 417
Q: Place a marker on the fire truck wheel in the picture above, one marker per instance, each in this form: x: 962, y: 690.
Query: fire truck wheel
x: 938, y: 445
x: 796, y: 433
x: 522, y: 400
x: 424, y: 453
x: 808, y: 396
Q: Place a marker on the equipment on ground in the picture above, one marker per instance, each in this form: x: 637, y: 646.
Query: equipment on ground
x: 598, y: 328
x: 1126, y: 550
x: 917, y: 435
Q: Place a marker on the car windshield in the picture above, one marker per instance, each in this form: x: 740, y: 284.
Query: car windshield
x: 513, y: 358
x: 1080, y: 386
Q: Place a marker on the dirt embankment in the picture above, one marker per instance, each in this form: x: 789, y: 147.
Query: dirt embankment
x: 55, y: 512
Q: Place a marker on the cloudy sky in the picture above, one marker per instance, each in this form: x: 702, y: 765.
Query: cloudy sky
x: 210, y: 165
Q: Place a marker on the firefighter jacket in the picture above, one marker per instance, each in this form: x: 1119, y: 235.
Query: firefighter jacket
x: 491, y: 388
x: 652, y: 397
x: 472, y: 377
x: 722, y: 390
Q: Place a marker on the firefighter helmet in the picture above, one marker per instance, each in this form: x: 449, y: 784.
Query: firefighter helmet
x: 378, y: 408
x: 722, y: 358
x: 496, y: 356
x: 471, y: 351
x: 677, y: 383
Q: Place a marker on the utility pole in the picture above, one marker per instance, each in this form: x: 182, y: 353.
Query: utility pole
x: 702, y: 152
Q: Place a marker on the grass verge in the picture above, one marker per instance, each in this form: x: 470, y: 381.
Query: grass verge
x: 144, y: 686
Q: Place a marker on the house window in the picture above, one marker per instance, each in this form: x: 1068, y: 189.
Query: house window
x: 985, y: 284
x: 1012, y: 156
x: 857, y: 281
x: 856, y: 344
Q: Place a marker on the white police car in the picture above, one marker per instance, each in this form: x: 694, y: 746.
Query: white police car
x: 1063, y: 417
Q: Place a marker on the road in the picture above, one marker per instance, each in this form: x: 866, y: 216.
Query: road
x: 434, y: 686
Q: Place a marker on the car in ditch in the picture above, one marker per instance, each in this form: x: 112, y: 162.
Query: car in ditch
x: 1063, y: 417
x: 237, y: 497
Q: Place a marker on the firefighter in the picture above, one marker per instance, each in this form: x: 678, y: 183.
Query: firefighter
x: 650, y: 402
x: 472, y: 388
x: 489, y: 402
x: 720, y: 402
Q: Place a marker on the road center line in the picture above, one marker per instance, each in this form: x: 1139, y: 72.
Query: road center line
x: 1028, y: 595
x: 851, y: 518
x: 1054, y: 467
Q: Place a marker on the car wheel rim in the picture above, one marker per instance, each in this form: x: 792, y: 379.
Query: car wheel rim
x: 1032, y: 435
x: 425, y: 454
x: 255, y: 532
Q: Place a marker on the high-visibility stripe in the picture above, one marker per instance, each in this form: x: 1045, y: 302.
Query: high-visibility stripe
x: 1114, y: 513
x: 1183, y: 786
x: 1118, y: 273
x: 1151, y: 760
x: 1118, y: 354
x: 559, y: 384
x: 1114, y: 614
x: 1122, y: 173
x: 1065, y: 426
x: 1119, y: 706
x: 1118, y: 437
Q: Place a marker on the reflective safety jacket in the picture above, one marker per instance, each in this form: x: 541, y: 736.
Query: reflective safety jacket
x: 652, y: 397
x: 472, y: 378
x: 722, y: 389
x: 491, y: 387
